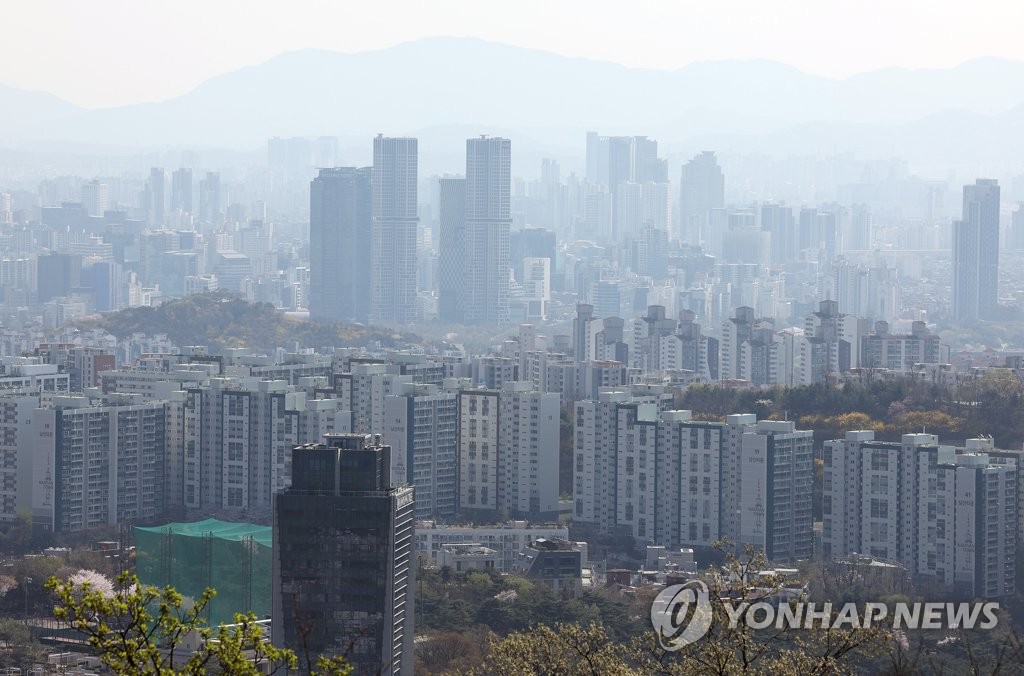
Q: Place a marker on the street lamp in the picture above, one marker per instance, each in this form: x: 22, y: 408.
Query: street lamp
x: 25, y: 583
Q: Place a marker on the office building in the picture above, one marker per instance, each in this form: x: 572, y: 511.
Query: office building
x: 155, y: 216
x: 701, y: 189
x: 340, y: 244
x: 393, y: 268
x: 976, y: 253
x: 210, y: 199
x: 96, y: 198
x: 555, y: 563
x: 58, y: 274
x: 343, y: 556
x: 181, y: 191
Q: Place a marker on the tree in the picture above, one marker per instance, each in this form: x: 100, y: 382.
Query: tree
x: 140, y: 630
x: 584, y: 650
x: 565, y: 649
x: 18, y: 649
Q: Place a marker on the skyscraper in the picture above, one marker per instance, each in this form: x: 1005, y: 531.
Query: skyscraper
x: 777, y: 221
x: 701, y: 189
x: 209, y: 199
x: 394, y: 230
x: 488, y: 218
x: 451, y: 247
x: 155, y: 197
x: 95, y: 197
x: 976, y: 253
x: 339, y: 244
x: 342, y: 562
x: 181, y: 190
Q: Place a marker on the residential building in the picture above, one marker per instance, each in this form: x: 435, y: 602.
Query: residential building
x: 485, y: 291
x: 340, y: 248
x: 393, y: 249
x: 976, y: 253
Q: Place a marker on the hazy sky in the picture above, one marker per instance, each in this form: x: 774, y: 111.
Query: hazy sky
x: 111, y: 52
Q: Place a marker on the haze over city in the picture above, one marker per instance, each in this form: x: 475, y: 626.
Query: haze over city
x: 512, y: 338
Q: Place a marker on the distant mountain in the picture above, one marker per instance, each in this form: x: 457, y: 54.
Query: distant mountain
x: 441, y: 86
x: 22, y: 110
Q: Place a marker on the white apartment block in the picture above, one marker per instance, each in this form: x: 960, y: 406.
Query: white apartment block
x: 421, y: 426
x: 776, y: 472
x: 98, y: 462
x: 666, y: 479
x: 16, y: 444
x: 508, y: 450
x: 951, y: 516
x: 238, y: 437
x: 479, y: 417
x: 528, y: 449
x: 363, y: 390
x: 30, y: 372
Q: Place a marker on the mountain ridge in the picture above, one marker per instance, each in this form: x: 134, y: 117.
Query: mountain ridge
x: 440, y: 81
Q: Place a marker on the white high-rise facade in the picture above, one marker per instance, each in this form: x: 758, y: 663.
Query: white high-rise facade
x: 508, y: 450
x: 948, y: 515
x: 421, y: 426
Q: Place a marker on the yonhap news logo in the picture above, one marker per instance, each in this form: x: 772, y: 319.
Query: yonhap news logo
x: 681, y: 614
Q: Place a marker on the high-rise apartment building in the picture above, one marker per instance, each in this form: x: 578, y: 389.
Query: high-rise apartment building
x: 237, y: 439
x: 98, y: 463
x: 393, y: 269
x: 776, y: 471
x: 451, y: 249
x: 661, y: 477
x: 421, y: 426
x: 508, y: 451
x: 948, y: 515
x: 343, y: 556
x: 485, y: 292
x: 976, y: 253
x: 340, y: 244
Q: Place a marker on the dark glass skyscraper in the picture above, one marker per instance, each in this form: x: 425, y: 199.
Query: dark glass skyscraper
x: 340, y: 244
x: 343, y: 556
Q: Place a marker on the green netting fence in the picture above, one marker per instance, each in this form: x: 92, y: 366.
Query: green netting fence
x: 233, y: 558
